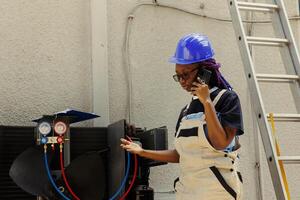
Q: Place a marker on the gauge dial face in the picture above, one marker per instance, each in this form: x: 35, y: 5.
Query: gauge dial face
x: 44, y: 128
x: 60, y: 128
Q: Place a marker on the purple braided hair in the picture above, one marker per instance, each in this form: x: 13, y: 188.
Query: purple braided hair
x: 212, y: 64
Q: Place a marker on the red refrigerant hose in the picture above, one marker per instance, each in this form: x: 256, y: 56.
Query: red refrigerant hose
x: 72, y: 192
x: 134, y: 175
x: 64, y: 175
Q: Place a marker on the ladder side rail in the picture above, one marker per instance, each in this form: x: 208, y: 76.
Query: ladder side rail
x: 289, y: 35
x: 266, y: 135
x: 289, y: 53
x: 258, y: 157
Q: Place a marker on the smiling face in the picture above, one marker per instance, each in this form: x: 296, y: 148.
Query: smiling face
x: 186, y: 75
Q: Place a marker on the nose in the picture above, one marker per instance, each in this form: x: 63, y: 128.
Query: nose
x: 182, y: 80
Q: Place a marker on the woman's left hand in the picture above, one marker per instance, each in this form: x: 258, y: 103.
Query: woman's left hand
x: 200, y: 90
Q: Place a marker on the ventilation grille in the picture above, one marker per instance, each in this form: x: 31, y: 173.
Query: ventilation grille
x: 14, y: 140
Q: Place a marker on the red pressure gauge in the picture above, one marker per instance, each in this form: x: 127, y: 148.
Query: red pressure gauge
x: 60, y: 128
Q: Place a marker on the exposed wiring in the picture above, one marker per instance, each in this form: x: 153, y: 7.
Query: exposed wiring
x: 126, y: 59
x: 155, y: 3
x: 49, y: 174
x: 134, y: 175
x: 64, y: 175
x: 163, y: 5
x: 124, y: 179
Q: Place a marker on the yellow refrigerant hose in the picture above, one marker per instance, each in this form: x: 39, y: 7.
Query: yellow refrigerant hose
x: 271, y: 117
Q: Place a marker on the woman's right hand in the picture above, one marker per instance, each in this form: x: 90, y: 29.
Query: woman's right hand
x: 131, y: 147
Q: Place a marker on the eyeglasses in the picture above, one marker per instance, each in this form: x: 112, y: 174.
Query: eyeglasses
x: 184, y: 76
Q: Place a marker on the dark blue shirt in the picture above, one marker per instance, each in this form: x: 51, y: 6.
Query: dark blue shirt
x: 228, y: 110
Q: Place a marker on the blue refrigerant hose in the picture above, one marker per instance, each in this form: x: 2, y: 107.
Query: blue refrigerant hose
x: 124, y: 179
x: 66, y: 198
x: 49, y: 175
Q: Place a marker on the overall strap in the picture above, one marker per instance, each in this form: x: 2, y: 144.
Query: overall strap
x: 217, y: 98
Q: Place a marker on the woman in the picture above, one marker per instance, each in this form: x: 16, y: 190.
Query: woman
x: 206, y: 139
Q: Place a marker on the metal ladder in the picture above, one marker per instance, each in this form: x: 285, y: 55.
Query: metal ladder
x: 290, y: 58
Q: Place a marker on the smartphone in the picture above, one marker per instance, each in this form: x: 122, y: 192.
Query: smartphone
x: 204, y: 75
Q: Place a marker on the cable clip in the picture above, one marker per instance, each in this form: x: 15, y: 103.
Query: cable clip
x: 155, y: 2
x: 257, y: 165
x: 130, y: 17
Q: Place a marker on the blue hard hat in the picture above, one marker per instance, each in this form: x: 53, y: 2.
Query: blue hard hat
x: 192, y: 48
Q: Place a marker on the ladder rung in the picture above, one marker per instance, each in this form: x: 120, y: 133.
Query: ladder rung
x: 266, y: 41
x: 290, y: 159
x: 277, y: 77
x: 257, y: 5
x: 285, y: 117
x: 256, y: 9
x: 275, y: 44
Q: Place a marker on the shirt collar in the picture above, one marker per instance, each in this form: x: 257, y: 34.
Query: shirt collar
x: 211, y: 90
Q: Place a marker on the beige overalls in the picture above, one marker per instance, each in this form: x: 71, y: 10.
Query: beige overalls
x: 205, y: 173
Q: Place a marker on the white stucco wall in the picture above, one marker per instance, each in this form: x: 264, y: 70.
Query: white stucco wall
x: 46, y: 66
x: 156, y: 99
x: 45, y: 58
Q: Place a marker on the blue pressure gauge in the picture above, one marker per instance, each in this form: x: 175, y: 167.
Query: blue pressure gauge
x: 44, y: 128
